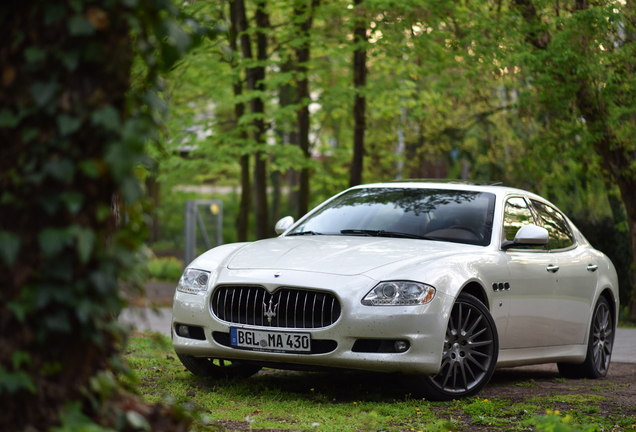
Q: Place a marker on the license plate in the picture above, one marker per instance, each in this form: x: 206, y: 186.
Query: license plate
x: 270, y: 341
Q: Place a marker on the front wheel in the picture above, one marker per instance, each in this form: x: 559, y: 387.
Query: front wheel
x: 599, y: 346
x: 469, y: 357
x: 217, y: 368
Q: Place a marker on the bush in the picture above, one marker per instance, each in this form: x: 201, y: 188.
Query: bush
x: 165, y: 268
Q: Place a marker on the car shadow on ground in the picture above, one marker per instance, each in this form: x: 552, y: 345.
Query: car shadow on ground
x: 517, y: 385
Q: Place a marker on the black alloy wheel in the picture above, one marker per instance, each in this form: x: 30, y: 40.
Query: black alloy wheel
x: 599, y: 346
x: 469, y: 357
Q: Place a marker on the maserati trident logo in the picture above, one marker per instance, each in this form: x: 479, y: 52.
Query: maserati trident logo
x: 269, y: 311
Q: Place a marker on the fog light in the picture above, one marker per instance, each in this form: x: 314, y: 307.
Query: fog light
x: 183, y: 331
x: 401, y: 346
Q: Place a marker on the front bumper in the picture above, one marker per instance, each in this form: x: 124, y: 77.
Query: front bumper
x: 423, y: 327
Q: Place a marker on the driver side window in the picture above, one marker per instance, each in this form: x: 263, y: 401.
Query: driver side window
x: 516, y: 215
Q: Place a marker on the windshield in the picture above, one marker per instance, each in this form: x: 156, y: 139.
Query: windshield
x: 429, y: 214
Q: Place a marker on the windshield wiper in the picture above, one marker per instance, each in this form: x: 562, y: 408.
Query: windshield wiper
x: 299, y: 233
x: 382, y: 233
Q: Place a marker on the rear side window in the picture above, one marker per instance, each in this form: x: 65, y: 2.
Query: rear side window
x: 560, y: 235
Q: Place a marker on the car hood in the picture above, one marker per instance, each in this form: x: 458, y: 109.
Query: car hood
x: 341, y: 255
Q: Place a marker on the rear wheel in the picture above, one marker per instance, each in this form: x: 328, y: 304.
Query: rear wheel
x: 471, y: 347
x: 599, y: 346
x: 217, y: 368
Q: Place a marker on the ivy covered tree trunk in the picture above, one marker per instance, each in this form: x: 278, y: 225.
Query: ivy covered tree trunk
x: 71, y: 139
x: 359, y: 84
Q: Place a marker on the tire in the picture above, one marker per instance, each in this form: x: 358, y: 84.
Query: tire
x: 469, y: 356
x: 599, y: 346
x: 217, y: 368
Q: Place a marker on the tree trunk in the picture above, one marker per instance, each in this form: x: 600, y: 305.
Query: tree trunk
x: 359, y: 83
x: 258, y: 109
x: 236, y: 8
x: 304, y: 9
x: 289, y: 136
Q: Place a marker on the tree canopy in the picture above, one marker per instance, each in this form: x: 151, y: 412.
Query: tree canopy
x: 536, y: 94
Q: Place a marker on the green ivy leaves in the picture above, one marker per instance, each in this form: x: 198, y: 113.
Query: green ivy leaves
x: 9, y: 247
x: 54, y: 240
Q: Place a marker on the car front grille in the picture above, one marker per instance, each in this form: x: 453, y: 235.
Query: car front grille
x: 285, y: 308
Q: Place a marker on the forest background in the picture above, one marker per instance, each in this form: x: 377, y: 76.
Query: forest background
x: 277, y: 106
x: 303, y: 98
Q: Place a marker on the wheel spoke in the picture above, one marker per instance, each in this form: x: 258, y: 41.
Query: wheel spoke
x: 596, y: 350
x: 478, y: 333
x: 597, y: 359
x: 455, y: 365
x: 466, y: 321
x: 480, y: 343
x: 470, y: 369
x: 479, y: 365
x: 472, y: 328
x: 463, y: 370
x: 448, y: 374
x: 605, y: 318
x: 445, y: 361
x: 603, y: 357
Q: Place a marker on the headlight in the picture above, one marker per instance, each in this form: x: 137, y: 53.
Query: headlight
x: 399, y: 293
x: 194, y: 281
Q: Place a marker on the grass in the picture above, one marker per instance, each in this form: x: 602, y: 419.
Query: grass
x: 278, y: 400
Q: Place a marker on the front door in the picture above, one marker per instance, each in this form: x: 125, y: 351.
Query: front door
x: 532, y: 311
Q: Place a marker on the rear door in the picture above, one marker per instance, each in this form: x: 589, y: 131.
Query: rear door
x: 576, y: 277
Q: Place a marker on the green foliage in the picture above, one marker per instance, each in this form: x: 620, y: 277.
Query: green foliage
x: 556, y: 423
x: 165, y: 268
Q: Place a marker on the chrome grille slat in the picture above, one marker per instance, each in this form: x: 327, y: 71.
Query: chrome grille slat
x: 255, y: 303
x: 313, y: 313
x: 294, y: 308
x: 224, y: 303
x: 240, y: 297
x: 322, y: 312
x: 332, y: 309
x: 232, y: 307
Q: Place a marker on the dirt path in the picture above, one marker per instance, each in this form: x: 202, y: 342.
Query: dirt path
x: 522, y: 383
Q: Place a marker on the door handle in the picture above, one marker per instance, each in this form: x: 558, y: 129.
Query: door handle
x: 592, y: 267
x: 552, y: 268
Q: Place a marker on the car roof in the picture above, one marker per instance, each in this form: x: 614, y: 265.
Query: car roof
x: 493, y: 187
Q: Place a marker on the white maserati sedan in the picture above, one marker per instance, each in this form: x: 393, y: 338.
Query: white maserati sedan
x: 441, y: 282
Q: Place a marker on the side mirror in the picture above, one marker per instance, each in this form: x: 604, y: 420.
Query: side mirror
x: 528, y: 235
x: 283, y: 224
